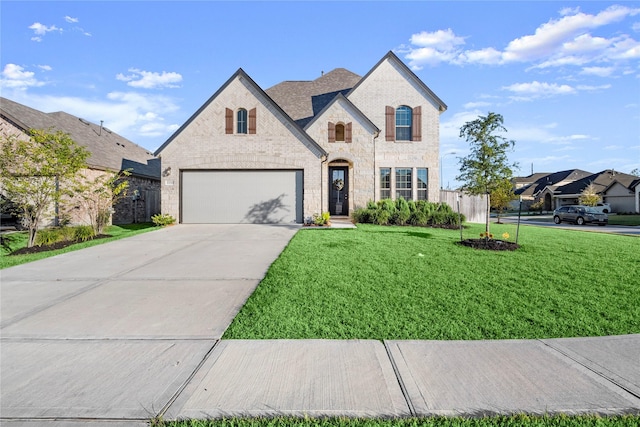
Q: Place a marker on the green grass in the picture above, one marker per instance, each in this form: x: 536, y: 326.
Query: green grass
x: 624, y: 219
x: 416, y: 283
x: 499, y: 421
x: 19, y: 240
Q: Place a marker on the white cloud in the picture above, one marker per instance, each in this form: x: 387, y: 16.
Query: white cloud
x: 538, y: 89
x: 598, y: 71
x: 45, y: 67
x: 40, y: 30
x: 71, y: 20
x: 150, y: 80
x: 478, y: 104
x: 559, y: 42
x: 15, y: 77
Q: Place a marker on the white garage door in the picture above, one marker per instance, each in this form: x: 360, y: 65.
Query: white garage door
x: 233, y: 197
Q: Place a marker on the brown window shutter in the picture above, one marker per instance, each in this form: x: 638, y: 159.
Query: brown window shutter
x: 347, y: 133
x: 228, y: 120
x: 390, y: 123
x: 416, y: 124
x: 252, y: 121
x: 332, y: 132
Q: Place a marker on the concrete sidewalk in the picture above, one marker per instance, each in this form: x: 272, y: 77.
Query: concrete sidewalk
x: 122, y: 332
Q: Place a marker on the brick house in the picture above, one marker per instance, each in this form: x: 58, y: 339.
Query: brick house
x: 304, y: 147
x: 110, y: 152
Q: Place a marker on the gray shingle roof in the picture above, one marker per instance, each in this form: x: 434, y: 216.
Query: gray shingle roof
x: 601, y: 181
x: 302, y: 100
x: 108, y: 149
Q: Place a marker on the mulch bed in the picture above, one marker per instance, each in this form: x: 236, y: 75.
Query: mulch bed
x: 490, y: 244
x: 53, y: 247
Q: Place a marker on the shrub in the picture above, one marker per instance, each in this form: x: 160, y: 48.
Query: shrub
x: 82, y: 233
x: 162, y: 220
x: 402, y: 212
x: 322, y: 219
x: 418, y: 218
x: 381, y: 217
x: 48, y: 236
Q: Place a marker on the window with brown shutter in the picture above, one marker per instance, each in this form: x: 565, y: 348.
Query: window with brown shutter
x: 228, y: 121
x: 390, y: 123
x: 416, y: 124
x: 252, y: 121
x: 347, y: 133
x: 332, y: 132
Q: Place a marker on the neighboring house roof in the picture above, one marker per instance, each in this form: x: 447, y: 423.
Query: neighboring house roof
x: 303, y: 100
x: 352, y: 109
x: 530, y: 179
x: 294, y: 128
x: 551, y: 181
x: 601, y: 181
x: 108, y: 149
x: 410, y: 74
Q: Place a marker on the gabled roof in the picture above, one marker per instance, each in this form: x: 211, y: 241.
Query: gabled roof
x: 108, y: 149
x: 601, y: 181
x: 241, y: 74
x: 550, y: 180
x: 355, y: 111
x: 395, y: 60
x: 303, y: 100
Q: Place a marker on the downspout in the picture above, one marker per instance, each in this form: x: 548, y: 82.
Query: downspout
x: 375, y: 137
x: 323, y: 160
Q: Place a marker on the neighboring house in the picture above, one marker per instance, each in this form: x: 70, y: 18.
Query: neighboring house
x: 539, y: 186
x: 109, y: 153
x: 557, y: 189
x: 301, y: 148
x: 615, y: 188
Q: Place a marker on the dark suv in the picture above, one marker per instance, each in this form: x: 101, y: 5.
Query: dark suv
x: 579, y: 215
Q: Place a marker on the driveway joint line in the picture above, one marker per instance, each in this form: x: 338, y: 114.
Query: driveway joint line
x: 187, y: 381
x: 590, y: 369
x: 403, y: 388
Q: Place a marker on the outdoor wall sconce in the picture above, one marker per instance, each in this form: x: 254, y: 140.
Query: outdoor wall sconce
x: 167, y: 171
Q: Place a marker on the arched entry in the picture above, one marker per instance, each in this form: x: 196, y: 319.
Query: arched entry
x: 338, y: 188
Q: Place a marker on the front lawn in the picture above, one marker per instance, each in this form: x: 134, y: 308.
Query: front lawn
x: 415, y: 283
x: 624, y: 219
x: 14, y: 241
x: 497, y: 421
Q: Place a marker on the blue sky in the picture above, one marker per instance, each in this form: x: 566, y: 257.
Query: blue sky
x: 565, y: 75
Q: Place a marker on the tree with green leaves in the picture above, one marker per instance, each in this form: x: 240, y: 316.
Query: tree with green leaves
x: 502, y: 196
x: 98, y: 195
x: 487, y: 165
x: 34, y: 173
x: 589, y: 196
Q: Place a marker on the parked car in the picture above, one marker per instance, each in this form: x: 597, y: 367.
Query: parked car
x: 603, y: 208
x: 580, y: 215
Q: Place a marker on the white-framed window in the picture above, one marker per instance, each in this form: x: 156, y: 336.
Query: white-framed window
x: 241, y: 121
x: 403, y: 123
x: 422, y: 176
x: 385, y: 183
x: 404, y: 180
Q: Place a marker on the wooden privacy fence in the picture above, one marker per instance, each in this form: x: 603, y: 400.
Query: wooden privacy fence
x: 474, y: 208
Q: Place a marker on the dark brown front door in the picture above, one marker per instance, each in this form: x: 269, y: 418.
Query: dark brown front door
x: 339, y: 190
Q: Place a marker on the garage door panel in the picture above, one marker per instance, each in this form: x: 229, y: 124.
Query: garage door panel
x: 241, y: 197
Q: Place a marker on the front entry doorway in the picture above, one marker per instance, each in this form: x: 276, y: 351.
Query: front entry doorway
x: 339, y: 190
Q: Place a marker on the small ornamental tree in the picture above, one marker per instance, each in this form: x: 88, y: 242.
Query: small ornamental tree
x: 487, y: 166
x: 589, y: 196
x: 97, y: 196
x: 34, y: 173
x: 501, y: 196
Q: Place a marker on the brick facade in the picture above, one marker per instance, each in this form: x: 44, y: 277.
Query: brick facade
x: 203, y: 143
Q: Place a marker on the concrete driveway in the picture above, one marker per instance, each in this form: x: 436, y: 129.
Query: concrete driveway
x: 115, y: 331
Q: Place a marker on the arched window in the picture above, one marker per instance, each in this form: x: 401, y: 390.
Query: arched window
x: 340, y: 132
x: 403, y: 123
x: 241, y: 121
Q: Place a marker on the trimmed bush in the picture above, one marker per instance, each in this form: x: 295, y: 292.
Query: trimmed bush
x: 402, y: 212
x: 161, y: 220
